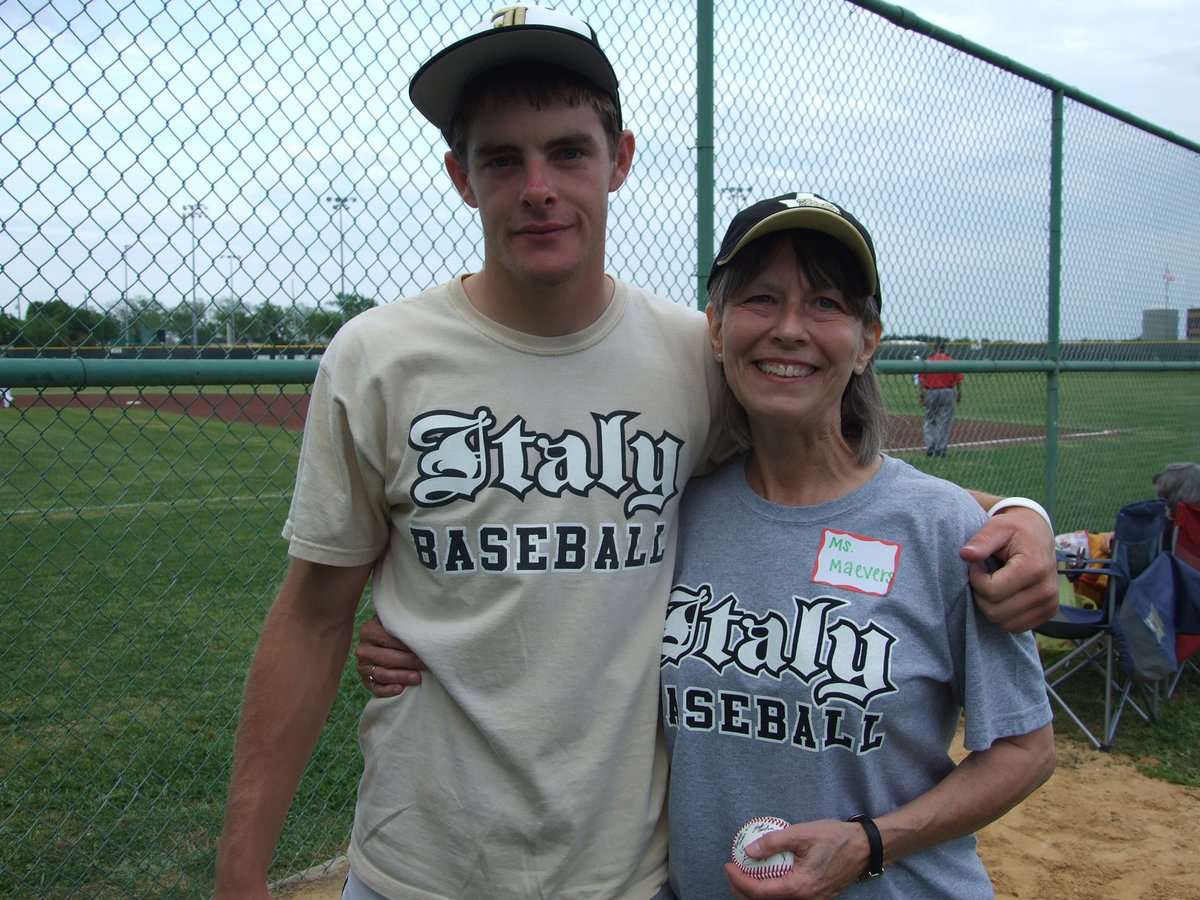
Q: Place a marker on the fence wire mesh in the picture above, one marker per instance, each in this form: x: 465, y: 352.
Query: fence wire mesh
x: 232, y: 181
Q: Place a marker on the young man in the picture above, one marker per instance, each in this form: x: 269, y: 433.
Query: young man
x: 503, y: 456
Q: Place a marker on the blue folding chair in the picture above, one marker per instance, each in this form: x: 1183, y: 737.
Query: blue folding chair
x: 1098, y: 639
x: 1185, y: 547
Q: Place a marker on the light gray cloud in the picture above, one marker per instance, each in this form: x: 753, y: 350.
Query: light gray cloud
x: 1138, y: 55
x: 113, y: 127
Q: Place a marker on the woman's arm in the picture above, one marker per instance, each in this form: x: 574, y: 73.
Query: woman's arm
x: 982, y: 788
x: 831, y: 855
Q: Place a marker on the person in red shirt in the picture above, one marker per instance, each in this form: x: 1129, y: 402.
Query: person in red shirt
x: 940, y: 393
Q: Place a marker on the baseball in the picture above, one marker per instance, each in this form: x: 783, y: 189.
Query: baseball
x: 772, y: 866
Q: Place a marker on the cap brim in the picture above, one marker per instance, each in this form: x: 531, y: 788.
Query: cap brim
x: 816, y: 219
x: 436, y: 86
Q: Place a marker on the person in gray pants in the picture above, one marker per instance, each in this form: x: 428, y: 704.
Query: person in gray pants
x: 940, y: 393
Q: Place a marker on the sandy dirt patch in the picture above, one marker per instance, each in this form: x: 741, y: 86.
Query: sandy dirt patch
x: 1098, y: 830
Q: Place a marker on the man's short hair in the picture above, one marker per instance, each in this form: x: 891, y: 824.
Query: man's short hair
x: 536, y: 84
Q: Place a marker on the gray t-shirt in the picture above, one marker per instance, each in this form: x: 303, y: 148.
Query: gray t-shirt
x: 816, y: 661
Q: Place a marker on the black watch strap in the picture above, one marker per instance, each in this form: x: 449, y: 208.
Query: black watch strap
x: 875, y: 840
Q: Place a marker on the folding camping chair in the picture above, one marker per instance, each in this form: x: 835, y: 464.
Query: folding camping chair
x: 1096, y: 634
x: 1185, y: 546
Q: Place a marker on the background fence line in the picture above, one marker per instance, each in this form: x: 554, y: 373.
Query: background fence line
x: 184, y: 187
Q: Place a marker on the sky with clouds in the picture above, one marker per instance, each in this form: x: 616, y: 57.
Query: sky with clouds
x: 117, y: 118
x: 1140, y: 55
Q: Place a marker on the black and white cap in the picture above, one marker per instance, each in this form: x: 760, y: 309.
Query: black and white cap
x: 512, y: 34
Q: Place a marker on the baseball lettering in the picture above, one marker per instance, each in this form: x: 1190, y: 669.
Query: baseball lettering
x: 540, y: 548
x: 805, y: 727
x: 461, y: 454
x: 845, y: 664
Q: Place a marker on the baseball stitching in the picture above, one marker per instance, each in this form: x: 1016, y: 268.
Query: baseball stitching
x: 772, y: 871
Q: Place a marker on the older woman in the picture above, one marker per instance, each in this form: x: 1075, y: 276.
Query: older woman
x: 821, y: 643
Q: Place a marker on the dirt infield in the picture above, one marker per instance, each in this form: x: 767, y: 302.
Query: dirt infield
x: 280, y: 410
x: 1098, y: 830
x: 905, y: 433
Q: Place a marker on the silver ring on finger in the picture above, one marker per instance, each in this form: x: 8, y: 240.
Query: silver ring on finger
x: 371, y: 675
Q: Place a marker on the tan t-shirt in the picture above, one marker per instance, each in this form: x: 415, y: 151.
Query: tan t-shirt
x: 520, y: 496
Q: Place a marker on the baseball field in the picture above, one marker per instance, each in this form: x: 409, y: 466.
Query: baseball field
x: 140, y: 547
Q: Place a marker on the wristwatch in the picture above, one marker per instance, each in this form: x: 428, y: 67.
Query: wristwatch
x: 875, y: 840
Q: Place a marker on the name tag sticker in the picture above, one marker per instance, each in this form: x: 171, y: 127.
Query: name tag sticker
x: 858, y: 563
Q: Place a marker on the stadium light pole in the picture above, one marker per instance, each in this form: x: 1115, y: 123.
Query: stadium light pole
x: 190, y: 212
x: 233, y: 259
x: 339, y: 205
x: 125, y: 310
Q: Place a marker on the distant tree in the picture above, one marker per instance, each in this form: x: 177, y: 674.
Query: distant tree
x: 10, y: 328
x: 350, y: 305
x: 234, y: 319
x: 270, y: 324
x: 57, y: 323
x: 185, y: 319
x: 319, y: 325
x: 313, y: 324
x: 144, y: 319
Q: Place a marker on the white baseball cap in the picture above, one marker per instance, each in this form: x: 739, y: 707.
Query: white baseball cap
x: 511, y: 34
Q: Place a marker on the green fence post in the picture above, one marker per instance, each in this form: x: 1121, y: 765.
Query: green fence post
x: 1055, y: 300
x: 705, y: 202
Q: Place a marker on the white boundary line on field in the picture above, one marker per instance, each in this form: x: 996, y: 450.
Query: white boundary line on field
x: 124, y: 507
x: 1031, y: 439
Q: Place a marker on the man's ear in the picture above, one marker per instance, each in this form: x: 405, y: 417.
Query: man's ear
x: 622, y: 161
x: 462, y: 182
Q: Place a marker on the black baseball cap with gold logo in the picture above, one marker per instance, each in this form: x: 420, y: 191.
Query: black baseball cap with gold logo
x: 791, y: 211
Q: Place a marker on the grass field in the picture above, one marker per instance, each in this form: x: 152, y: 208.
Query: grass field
x: 140, y: 550
x: 1139, y: 422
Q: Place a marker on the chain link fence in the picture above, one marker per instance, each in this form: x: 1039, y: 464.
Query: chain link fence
x: 196, y: 196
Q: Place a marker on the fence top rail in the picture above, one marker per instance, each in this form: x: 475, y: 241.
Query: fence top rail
x: 899, y: 366
x: 83, y: 373
x: 103, y: 373
x: 910, y: 21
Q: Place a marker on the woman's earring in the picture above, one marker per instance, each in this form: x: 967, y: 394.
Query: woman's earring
x: 720, y: 356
